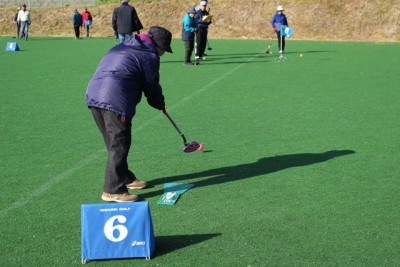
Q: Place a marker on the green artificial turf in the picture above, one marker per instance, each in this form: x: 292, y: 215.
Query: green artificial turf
x: 299, y: 168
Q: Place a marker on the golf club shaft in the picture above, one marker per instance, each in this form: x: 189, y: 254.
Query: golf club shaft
x: 208, y: 44
x: 176, y: 126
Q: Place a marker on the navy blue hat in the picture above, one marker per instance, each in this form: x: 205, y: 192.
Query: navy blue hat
x: 162, y: 37
x: 192, y: 10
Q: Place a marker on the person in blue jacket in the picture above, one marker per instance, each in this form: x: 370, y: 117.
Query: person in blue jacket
x: 278, y: 20
x: 189, y: 27
x: 127, y: 71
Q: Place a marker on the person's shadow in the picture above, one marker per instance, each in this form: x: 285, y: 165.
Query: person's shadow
x: 261, y: 167
x: 168, y: 244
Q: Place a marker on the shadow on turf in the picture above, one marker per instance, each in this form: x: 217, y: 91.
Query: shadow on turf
x: 263, y: 166
x: 222, y: 56
x: 168, y: 244
x: 212, y: 58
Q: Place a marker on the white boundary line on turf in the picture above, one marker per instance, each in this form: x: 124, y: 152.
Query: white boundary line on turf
x: 204, y: 88
x: 48, y: 185
x: 58, y: 178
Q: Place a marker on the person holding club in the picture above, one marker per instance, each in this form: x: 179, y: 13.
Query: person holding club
x: 279, y: 19
x: 127, y: 71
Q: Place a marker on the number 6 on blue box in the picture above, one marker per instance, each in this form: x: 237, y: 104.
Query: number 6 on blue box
x: 117, y: 230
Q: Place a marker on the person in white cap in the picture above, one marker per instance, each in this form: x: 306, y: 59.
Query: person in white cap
x: 203, y: 21
x: 197, y: 8
x: 278, y: 20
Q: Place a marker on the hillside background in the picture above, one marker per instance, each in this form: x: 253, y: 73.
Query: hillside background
x: 338, y: 20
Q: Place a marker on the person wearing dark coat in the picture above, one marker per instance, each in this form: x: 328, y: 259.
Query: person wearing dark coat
x: 125, y: 21
x: 203, y: 21
x: 17, y: 23
x: 77, y: 22
x: 127, y: 71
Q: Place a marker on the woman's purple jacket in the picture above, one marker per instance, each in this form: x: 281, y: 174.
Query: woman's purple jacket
x: 126, y: 71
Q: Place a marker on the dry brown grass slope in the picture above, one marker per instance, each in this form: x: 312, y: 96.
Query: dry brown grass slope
x: 355, y: 20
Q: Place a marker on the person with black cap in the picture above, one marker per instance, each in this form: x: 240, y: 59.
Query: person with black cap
x: 189, y: 27
x: 127, y: 71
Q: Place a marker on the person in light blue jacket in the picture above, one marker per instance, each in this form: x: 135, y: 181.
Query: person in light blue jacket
x: 278, y: 20
x: 189, y: 28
